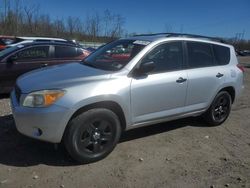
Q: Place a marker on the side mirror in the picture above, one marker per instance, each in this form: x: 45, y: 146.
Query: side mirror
x: 146, y: 67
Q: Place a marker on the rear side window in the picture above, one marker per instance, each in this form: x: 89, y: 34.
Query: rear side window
x: 39, y: 52
x: 222, y: 54
x: 65, y: 52
x: 199, y: 55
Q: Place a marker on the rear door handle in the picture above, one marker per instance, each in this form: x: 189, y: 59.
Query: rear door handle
x: 181, y: 80
x: 44, y: 65
x: 219, y: 75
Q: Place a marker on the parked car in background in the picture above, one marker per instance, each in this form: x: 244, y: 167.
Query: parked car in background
x: 22, y: 40
x: 25, y: 57
x: 246, y: 52
x: 243, y: 52
x: 6, y: 40
x: 162, y: 77
x: 10, y: 41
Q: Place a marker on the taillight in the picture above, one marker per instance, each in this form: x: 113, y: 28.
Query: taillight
x: 241, y: 67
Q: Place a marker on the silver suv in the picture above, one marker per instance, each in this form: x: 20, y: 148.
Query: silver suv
x: 126, y: 84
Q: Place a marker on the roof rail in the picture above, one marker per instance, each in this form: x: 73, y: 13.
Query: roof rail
x: 46, y: 40
x: 217, y: 39
x: 68, y: 42
x: 56, y: 41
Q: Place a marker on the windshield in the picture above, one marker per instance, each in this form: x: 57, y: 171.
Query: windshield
x: 7, y: 51
x: 115, y: 55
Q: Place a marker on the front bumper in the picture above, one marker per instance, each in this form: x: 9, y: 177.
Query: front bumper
x: 47, y: 124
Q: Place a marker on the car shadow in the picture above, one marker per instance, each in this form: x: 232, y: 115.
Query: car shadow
x: 160, y: 128
x: 20, y: 151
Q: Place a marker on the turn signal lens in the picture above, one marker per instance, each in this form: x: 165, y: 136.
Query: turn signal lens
x: 42, y: 98
x: 51, y: 98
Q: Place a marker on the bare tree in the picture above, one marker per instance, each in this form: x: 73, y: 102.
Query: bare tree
x: 93, y: 25
x: 19, y: 19
x: 70, y: 25
x: 113, y: 24
x: 29, y: 15
x: 59, y: 27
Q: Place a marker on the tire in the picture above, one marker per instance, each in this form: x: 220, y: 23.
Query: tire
x: 92, y: 135
x: 219, y: 110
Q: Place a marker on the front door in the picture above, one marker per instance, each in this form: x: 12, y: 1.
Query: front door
x: 162, y: 92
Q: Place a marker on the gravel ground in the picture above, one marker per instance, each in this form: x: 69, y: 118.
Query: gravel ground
x: 244, y: 59
x: 183, y: 153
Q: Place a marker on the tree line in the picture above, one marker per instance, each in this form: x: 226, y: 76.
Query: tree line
x: 20, y: 19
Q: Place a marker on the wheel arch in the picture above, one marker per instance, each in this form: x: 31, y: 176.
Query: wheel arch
x: 111, y: 105
x: 230, y: 90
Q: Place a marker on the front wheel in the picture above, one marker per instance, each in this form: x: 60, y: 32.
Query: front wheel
x: 92, y: 135
x: 219, y: 109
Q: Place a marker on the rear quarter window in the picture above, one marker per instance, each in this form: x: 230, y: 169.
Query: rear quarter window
x: 222, y: 54
x: 79, y: 52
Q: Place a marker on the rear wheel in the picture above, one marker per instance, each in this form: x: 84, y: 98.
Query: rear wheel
x: 92, y: 135
x: 219, y: 110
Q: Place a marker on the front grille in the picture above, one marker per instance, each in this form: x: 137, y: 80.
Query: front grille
x: 18, y: 93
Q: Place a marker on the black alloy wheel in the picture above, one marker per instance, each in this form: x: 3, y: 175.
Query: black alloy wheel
x: 92, y: 135
x: 96, y: 136
x: 219, y: 109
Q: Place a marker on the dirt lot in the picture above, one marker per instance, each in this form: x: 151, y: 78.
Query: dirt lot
x: 183, y: 153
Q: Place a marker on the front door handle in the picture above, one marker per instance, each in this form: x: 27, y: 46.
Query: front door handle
x: 181, y: 80
x: 44, y: 65
x: 219, y: 75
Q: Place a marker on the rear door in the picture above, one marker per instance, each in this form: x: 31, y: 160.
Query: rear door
x: 21, y: 62
x: 204, y: 76
x: 162, y: 92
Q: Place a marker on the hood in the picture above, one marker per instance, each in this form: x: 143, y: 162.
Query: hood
x: 59, y: 77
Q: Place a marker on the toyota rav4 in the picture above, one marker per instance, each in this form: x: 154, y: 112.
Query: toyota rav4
x: 163, y: 77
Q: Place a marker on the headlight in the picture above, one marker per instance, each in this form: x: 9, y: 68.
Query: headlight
x: 42, y: 98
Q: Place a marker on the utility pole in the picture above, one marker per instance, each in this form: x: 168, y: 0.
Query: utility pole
x: 181, y: 29
x: 243, y: 34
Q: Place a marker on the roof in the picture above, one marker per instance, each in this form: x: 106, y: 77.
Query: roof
x: 34, y: 43
x: 41, y: 38
x: 156, y: 36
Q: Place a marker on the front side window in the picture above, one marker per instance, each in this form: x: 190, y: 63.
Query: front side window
x: 39, y: 52
x: 115, y: 55
x: 166, y: 57
x: 199, y: 55
x: 65, y: 52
